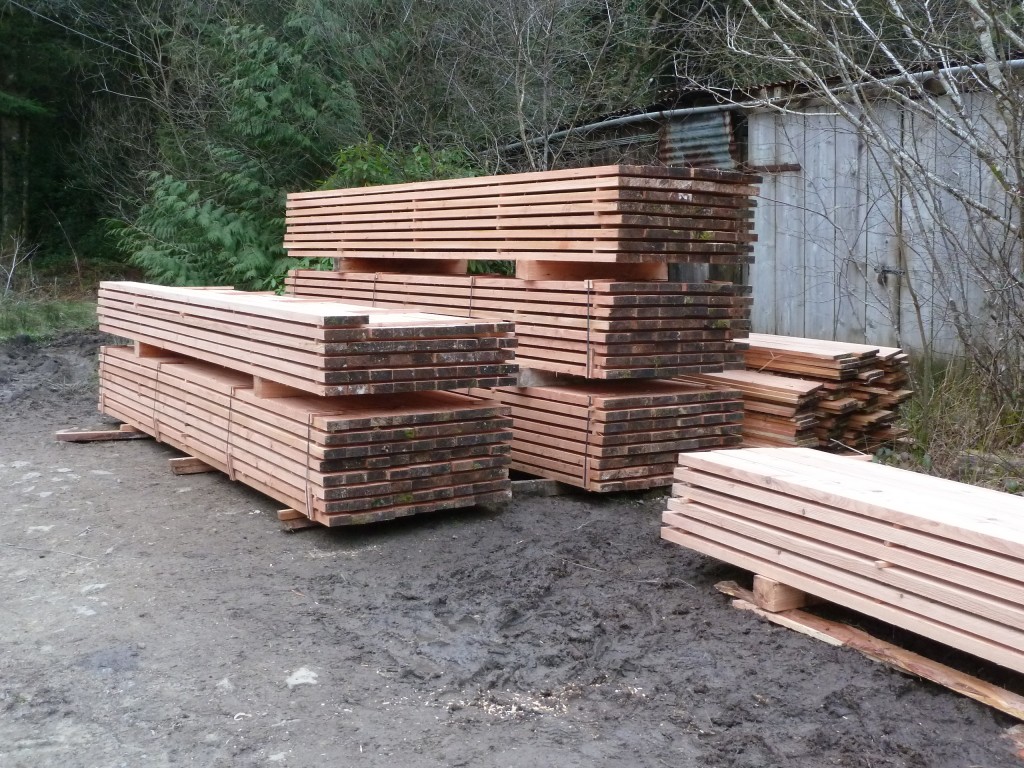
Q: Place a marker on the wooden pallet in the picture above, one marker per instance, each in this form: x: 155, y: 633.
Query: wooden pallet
x: 939, y: 558
x: 338, y: 460
x: 625, y: 214
x: 601, y: 329
x: 615, y: 436
x: 320, y: 347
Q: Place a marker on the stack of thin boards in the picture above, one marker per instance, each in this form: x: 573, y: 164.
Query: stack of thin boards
x: 616, y: 436
x: 777, y: 410
x: 337, y: 460
x: 620, y: 214
x: 321, y: 347
x: 862, y: 385
x: 939, y: 558
x: 598, y: 329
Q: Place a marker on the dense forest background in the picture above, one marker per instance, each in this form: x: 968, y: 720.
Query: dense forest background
x: 164, y: 134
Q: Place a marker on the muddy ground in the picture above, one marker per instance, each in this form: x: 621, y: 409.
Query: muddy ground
x: 154, y: 620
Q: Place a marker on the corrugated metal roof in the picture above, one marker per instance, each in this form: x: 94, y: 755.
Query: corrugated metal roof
x: 698, y: 141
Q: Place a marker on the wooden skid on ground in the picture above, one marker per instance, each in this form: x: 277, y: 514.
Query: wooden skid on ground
x: 601, y: 329
x: 339, y: 461
x: 321, y: 347
x: 845, y: 636
x: 939, y: 558
x: 124, y: 432
x: 624, y: 214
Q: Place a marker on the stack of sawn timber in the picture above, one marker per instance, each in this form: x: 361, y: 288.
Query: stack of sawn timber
x: 616, y: 436
x: 617, y: 213
x: 862, y: 385
x: 321, y: 347
x: 249, y: 384
x: 597, y: 329
x: 777, y: 410
x: 939, y: 558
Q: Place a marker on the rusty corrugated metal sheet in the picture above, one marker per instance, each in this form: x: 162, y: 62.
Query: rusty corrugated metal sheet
x: 698, y: 141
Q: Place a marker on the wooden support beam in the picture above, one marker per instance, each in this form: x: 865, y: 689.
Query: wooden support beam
x: 842, y: 635
x: 99, y: 435
x: 270, y: 389
x: 579, y: 270
x: 148, y: 350
x: 189, y: 465
x: 771, y: 595
x: 405, y: 266
x: 293, y: 520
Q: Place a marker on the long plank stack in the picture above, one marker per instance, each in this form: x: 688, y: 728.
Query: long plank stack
x: 939, y: 558
x: 616, y: 436
x: 335, y: 410
x: 324, y: 348
x: 619, y: 214
x: 338, y: 460
x: 863, y: 385
x: 591, y: 303
x: 598, y: 329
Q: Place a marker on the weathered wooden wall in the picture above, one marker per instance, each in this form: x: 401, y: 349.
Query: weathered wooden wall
x: 846, y: 250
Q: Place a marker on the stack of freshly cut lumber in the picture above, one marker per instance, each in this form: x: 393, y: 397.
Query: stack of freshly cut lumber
x: 939, y: 558
x: 338, y: 460
x: 620, y: 214
x: 320, y: 347
x: 616, y: 436
x: 777, y: 410
x: 863, y: 385
x: 599, y: 329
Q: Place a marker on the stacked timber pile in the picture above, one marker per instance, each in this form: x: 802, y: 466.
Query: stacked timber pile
x: 590, y: 300
x: 777, y: 410
x: 334, y: 410
x: 598, y: 329
x: 862, y: 385
x: 939, y: 558
x: 325, y: 348
x: 616, y: 436
x: 612, y: 214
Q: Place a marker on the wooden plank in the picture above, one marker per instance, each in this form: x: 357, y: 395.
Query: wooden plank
x: 98, y: 435
x: 842, y: 635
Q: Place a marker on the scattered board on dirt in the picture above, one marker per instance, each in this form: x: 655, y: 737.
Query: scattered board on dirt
x: 314, y: 346
x: 599, y: 329
x: 625, y: 214
x: 339, y: 461
x: 876, y: 649
x: 936, y: 557
x: 125, y: 432
x: 615, y: 436
x: 862, y: 386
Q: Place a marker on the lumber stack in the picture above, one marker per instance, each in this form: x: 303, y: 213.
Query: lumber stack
x: 618, y: 214
x: 777, y: 410
x: 936, y: 557
x: 320, y: 347
x: 862, y: 385
x: 338, y: 460
x: 616, y: 436
x: 598, y: 329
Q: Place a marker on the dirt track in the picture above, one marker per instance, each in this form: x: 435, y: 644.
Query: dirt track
x: 154, y: 620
